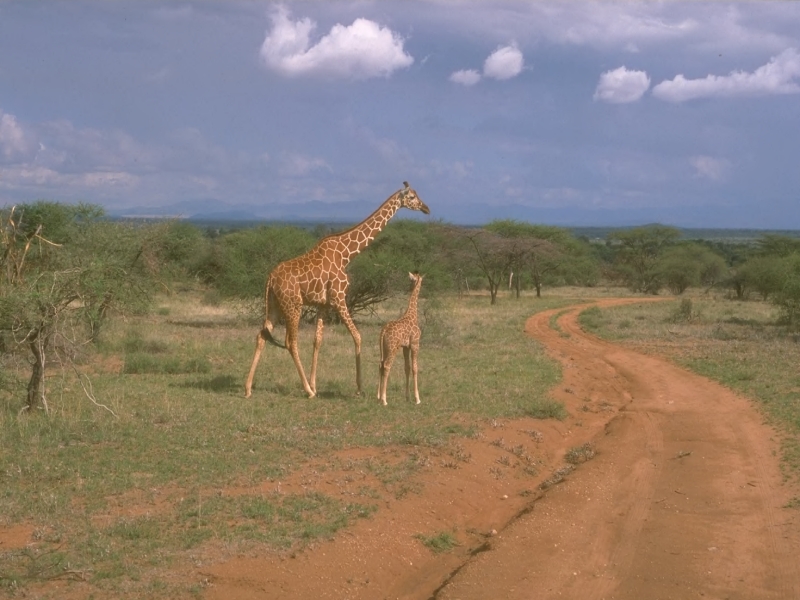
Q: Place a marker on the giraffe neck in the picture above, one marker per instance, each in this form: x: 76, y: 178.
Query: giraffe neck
x: 411, y: 311
x: 354, y: 240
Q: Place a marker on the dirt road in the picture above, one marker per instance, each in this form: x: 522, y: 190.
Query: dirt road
x: 684, y: 499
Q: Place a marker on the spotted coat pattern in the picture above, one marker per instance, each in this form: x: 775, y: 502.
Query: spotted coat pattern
x: 318, y: 278
x: 403, y: 333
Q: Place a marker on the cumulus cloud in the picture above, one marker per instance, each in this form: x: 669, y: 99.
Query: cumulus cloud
x: 621, y: 86
x: 466, y: 77
x: 358, y: 51
x: 504, y: 63
x: 778, y: 76
x: 14, y: 140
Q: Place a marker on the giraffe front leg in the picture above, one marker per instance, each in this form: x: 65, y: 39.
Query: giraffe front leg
x: 341, y: 308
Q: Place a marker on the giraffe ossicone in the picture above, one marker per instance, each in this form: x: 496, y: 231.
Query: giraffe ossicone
x: 402, y: 333
x: 318, y: 278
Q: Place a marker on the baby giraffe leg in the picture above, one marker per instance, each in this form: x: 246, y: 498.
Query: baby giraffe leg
x: 386, y: 367
x: 414, y: 352
x: 407, y: 366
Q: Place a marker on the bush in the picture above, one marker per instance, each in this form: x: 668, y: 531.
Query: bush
x: 788, y: 296
x: 238, y: 263
x: 684, y: 313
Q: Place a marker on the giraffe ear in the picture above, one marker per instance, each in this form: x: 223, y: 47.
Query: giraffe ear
x: 410, y: 275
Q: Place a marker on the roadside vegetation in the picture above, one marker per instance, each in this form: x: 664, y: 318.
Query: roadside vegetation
x: 124, y: 347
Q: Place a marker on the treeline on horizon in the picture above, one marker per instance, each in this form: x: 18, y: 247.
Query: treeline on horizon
x: 233, y: 258
x: 591, y: 232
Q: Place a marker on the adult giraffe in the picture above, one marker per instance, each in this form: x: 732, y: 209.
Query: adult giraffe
x: 318, y: 278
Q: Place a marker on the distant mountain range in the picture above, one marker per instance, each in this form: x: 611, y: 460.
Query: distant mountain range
x: 466, y: 214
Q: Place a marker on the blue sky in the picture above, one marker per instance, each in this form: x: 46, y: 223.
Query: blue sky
x: 561, y: 112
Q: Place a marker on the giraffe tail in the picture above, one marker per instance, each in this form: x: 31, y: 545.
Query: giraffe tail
x: 266, y: 332
x: 268, y: 336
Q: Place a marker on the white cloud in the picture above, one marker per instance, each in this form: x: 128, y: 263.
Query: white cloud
x: 14, y: 140
x: 710, y: 167
x: 358, y: 51
x: 778, y: 76
x: 35, y: 176
x: 504, y: 63
x: 621, y: 86
x: 628, y: 24
x: 466, y: 77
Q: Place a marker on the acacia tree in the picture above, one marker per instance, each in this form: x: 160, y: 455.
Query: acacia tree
x: 788, y: 297
x: 545, y: 253
x: 775, y: 272
x: 690, y: 264
x: 638, y: 251
x: 57, y: 290
x: 496, y: 256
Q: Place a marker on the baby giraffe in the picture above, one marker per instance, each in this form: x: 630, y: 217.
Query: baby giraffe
x: 405, y: 333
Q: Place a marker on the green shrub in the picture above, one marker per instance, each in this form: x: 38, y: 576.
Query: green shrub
x: 440, y: 542
x: 684, y: 313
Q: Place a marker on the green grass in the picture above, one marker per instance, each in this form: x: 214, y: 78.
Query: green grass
x: 439, y: 542
x: 739, y: 344
x: 178, y: 432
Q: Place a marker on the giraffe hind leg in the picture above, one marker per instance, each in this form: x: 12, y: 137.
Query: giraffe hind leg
x: 414, y: 370
x: 292, y: 326
x: 261, y: 339
x: 407, y: 367
x: 317, y: 343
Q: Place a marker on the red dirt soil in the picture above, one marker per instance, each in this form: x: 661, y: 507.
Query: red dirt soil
x: 684, y: 499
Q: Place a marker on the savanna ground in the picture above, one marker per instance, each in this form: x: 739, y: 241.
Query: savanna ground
x: 178, y: 487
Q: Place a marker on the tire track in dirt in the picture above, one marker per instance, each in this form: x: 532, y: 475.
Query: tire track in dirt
x: 684, y: 498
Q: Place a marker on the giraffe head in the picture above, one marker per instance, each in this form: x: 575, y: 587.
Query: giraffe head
x: 416, y: 278
x: 409, y: 199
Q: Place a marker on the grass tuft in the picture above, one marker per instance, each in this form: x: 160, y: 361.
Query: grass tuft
x: 443, y: 541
